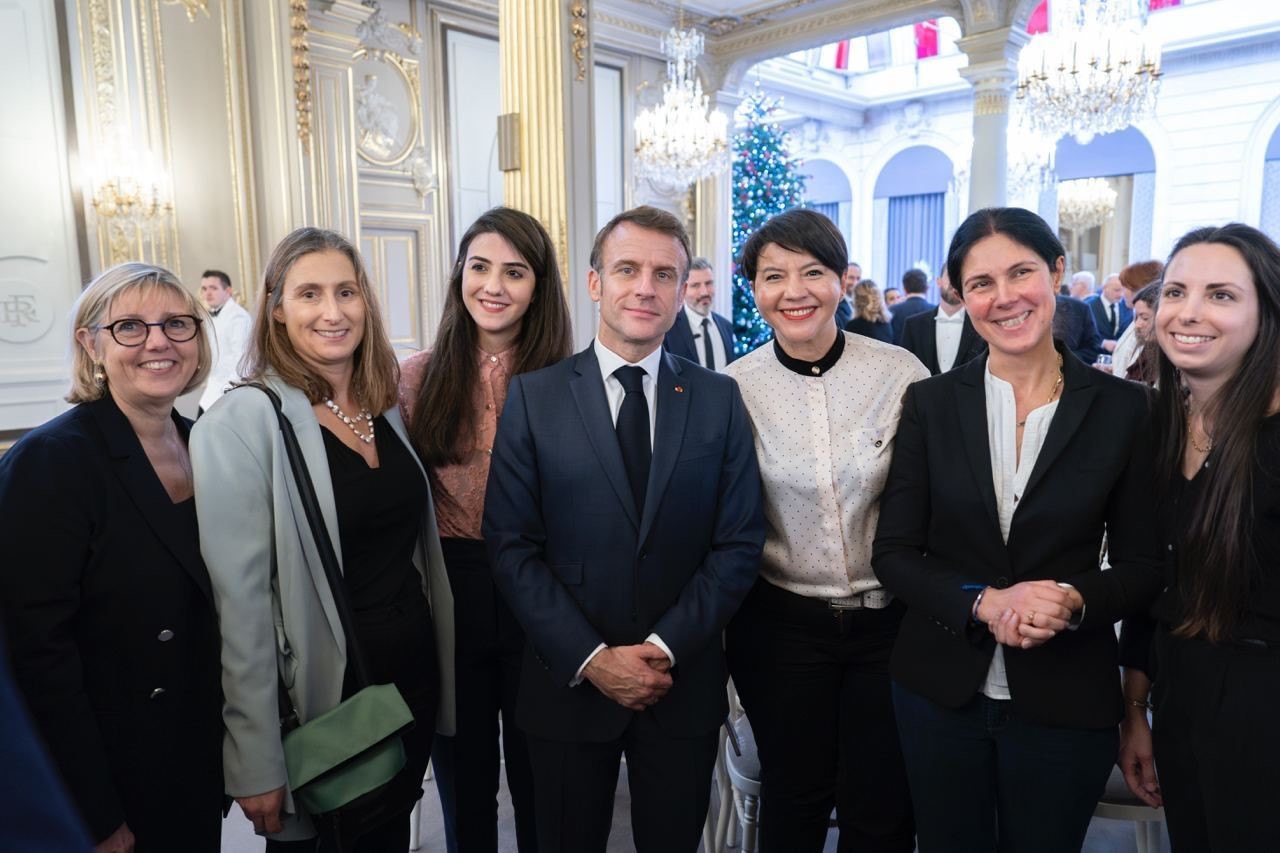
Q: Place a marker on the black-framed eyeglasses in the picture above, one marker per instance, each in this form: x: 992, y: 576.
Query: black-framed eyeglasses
x: 130, y: 332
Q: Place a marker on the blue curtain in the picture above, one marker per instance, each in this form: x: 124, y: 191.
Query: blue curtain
x: 830, y: 209
x: 916, y: 225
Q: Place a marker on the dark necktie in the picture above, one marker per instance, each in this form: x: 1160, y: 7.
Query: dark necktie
x: 1111, y: 318
x: 633, y: 432
x: 707, y: 351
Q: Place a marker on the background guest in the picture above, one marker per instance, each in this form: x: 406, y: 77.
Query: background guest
x: 892, y: 296
x: 915, y: 284
x: 1004, y: 670
x: 847, y: 308
x: 1142, y: 368
x: 1216, y: 652
x: 809, y: 649
x: 700, y: 334
x: 319, y: 343
x: 1073, y: 325
x: 1082, y: 285
x: 944, y: 337
x: 229, y: 337
x: 104, y: 596
x: 1111, y: 313
x: 1133, y: 279
x: 504, y: 314
x: 870, y: 317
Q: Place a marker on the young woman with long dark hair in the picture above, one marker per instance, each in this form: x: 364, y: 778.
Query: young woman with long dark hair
x: 504, y: 314
x: 1215, y: 655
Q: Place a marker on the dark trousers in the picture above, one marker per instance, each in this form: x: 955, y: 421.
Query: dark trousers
x: 1217, y: 746
x: 984, y: 779
x: 399, y: 647
x: 669, y: 779
x: 487, y: 669
x: 815, y: 685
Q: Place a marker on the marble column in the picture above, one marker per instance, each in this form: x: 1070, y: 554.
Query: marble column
x: 546, y: 71
x: 713, y: 217
x: 993, y: 72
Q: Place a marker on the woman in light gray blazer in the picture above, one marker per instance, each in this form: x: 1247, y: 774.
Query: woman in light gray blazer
x: 319, y: 342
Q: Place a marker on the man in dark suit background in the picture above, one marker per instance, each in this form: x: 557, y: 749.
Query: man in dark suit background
x: 1111, y: 313
x: 1073, y: 325
x: 844, y: 308
x: 944, y: 337
x: 700, y: 334
x: 915, y: 283
x: 624, y: 522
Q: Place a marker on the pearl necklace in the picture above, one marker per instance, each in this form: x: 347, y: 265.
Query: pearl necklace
x: 354, y: 422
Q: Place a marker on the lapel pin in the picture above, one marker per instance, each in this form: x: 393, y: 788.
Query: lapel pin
x: 679, y: 389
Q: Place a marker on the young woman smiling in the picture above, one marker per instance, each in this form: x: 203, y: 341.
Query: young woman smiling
x: 504, y: 314
x: 1005, y: 475
x: 1215, y: 659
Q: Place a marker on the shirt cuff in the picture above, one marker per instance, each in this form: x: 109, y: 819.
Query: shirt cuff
x: 1076, y: 618
x: 657, y: 641
x: 577, y: 679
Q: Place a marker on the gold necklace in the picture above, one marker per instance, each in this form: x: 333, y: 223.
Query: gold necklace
x: 1191, y: 433
x: 1053, y: 392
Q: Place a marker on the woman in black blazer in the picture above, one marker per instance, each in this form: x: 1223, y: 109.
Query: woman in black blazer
x: 105, y: 599
x: 1006, y: 472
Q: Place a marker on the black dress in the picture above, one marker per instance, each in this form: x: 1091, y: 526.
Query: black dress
x: 380, y: 513
x: 880, y: 331
x: 1217, y: 749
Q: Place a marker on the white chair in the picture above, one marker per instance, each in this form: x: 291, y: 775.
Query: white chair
x: 1119, y: 803
x: 743, y: 766
x: 415, y: 818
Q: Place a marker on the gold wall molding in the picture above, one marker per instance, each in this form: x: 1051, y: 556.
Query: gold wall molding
x: 192, y: 7
x: 299, y: 28
x: 989, y: 102
x: 578, y: 30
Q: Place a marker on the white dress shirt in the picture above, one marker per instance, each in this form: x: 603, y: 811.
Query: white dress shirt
x: 717, y: 340
x: 947, y: 332
x: 1126, y: 352
x: 610, y: 361
x: 228, y: 339
x: 1009, y: 475
x: 824, y: 443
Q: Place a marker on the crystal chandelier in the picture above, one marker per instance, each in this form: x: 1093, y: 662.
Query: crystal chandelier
x: 1097, y: 69
x: 680, y: 140
x: 1085, y: 204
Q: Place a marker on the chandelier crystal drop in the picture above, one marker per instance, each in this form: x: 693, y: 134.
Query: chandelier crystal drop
x: 680, y: 140
x: 1085, y: 203
x: 1097, y: 69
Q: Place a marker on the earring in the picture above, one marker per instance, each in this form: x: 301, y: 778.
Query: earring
x: 99, y: 374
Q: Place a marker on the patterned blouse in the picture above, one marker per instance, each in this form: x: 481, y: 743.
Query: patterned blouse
x: 459, y: 489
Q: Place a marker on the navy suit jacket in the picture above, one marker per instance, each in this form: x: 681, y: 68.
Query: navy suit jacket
x: 908, y: 307
x: 920, y: 339
x: 1103, y: 323
x: 679, y: 340
x: 844, y: 313
x: 1073, y: 325
x: 581, y: 565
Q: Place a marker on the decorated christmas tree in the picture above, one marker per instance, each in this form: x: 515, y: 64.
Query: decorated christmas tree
x: 766, y: 181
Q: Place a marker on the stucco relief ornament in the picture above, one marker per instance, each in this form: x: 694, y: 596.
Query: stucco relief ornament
x: 377, y: 118
x: 418, y: 167
x: 375, y: 33
x: 913, y: 120
x: 813, y: 136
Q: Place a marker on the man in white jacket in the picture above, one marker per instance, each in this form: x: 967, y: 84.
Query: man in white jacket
x: 231, y: 325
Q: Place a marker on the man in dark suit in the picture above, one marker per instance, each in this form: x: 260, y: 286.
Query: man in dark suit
x: 1111, y: 314
x: 915, y: 283
x: 944, y: 337
x: 844, y: 308
x: 624, y: 523
x: 1073, y: 325
x: 700, y: 334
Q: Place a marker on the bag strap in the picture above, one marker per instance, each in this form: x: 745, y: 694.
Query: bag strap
x: 320, y: 534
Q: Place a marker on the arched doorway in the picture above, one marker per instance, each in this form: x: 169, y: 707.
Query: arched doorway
x: 1269, y: 221
x: 827, y: 190
x: 910, y: 200
x: 1128, y: 163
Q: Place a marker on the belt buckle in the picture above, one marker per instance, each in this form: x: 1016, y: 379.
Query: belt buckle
x: 845, y: 605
